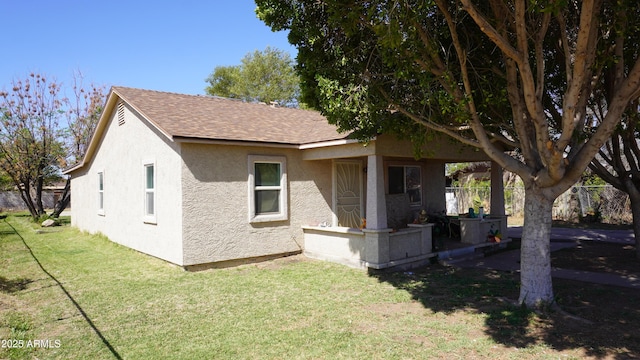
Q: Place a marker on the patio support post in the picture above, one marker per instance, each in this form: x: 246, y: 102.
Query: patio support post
x: 376, y: 204
x: 497, y: 190
x: 497, y: 197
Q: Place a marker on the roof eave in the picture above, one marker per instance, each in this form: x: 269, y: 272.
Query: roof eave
x: 198, y: 140
x: 97, y: 133
x: 112, y: 99
x: 73, y: 168
x: 326, y: 143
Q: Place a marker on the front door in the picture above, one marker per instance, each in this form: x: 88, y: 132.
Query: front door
x: 347, y: 185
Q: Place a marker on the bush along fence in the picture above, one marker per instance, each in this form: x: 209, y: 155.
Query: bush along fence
x: 602, y: 203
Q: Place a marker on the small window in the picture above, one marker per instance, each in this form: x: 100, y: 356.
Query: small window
x: 406, y: 180
x: 101, y: 193
x: 149, y: 193
x: 267, y: 188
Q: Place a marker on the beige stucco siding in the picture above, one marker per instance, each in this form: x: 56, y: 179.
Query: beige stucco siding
x: 434, y: 186
x: 121, y: 155
x: 215, y: 197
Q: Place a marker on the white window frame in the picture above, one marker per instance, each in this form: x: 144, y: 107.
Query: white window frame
x: 283, y: 214
x: 100, y: 192
x: 150, y: 218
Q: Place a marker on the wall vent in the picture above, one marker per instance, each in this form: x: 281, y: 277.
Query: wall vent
x: 121, y: 113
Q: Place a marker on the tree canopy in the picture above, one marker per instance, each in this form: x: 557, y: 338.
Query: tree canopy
x: 83, y: 110
x: 265, y: 76
x: 513, y: 78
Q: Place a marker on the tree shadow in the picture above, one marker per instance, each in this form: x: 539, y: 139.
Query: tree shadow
x: 66, y: 292
x: 588, y: 318
x: 9, y: 286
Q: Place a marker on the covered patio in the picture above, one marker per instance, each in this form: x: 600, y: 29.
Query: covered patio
x: 381, y: 193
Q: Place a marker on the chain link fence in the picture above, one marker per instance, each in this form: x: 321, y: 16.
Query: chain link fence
x: 580, y: 203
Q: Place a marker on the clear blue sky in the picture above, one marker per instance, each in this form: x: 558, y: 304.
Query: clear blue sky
x: 157, y: 45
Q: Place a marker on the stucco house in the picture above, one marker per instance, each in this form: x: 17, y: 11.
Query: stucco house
x: 203, y: 181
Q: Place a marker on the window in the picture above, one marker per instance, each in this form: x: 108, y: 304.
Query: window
x: 406, y: 179
x: 149, y: 193
x: 267, y: 188
x: 101, y: 193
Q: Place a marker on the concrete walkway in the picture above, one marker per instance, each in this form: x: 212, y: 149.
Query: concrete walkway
x: 562, y: 238
x: 567, y: 234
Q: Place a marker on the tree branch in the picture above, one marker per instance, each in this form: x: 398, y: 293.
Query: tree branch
x: 573, y: 108
x: 492, y: 33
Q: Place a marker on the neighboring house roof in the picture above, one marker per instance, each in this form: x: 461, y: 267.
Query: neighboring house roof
x: 190, y: 118
x: 205, y: 117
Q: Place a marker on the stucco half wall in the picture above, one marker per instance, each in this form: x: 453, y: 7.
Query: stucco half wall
x: 215, y: 198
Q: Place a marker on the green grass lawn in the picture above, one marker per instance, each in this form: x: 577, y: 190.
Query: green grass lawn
x: 92, y: 299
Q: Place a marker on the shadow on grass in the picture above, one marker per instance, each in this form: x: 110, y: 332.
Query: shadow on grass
x: 65, y: 220
x: 64, y: 290
x: 598, y: 324
x: 8, y: 286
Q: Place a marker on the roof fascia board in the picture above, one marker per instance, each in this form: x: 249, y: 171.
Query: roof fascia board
x: 97, y: 134
x: 348, y: 150
x: 265, y: 144
x: 328, y: 143
x: 73, y: 168
x: 187, y: 140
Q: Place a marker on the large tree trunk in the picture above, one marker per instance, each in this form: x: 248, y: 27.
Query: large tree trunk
x: 39, y: 185
x: 25, y: 193
x: 535, y: 257
x: 64, y: 200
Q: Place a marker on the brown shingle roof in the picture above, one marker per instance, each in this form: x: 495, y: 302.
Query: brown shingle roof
x: 212, y: 118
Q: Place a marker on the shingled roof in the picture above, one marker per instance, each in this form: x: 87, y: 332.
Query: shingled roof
x: 191, y: 117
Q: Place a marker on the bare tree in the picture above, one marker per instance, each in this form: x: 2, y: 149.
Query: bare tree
x: 618, y: 163
x: 35, y: 144
x: 83, y: 111
x: 29, y: 144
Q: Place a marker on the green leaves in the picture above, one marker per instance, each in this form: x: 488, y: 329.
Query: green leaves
x: 222, y: 81
x: 265, y: 76
x: 348, y: 106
